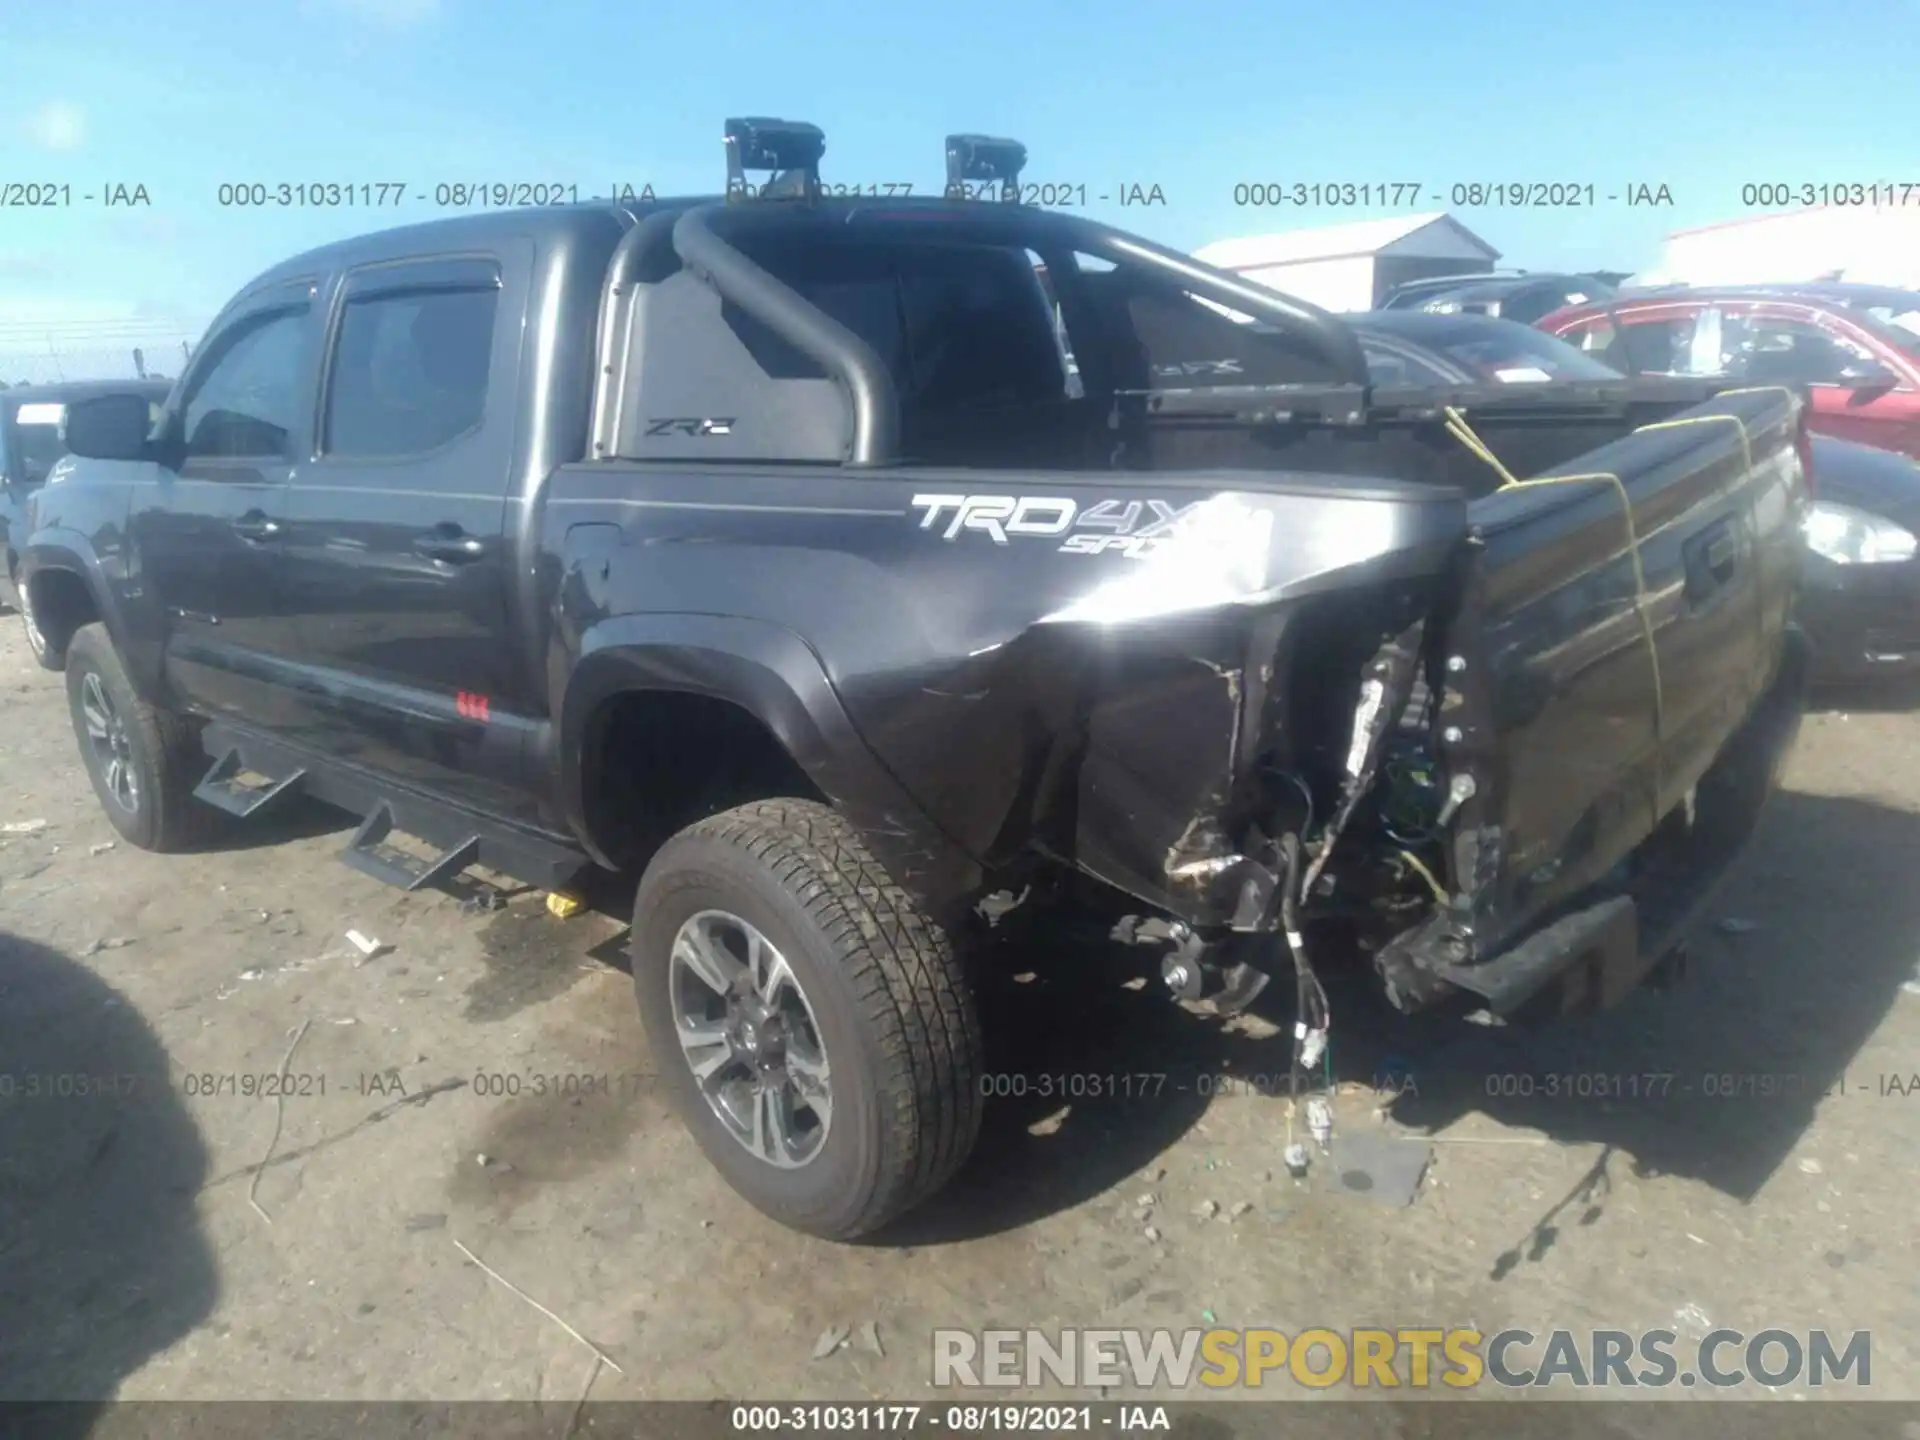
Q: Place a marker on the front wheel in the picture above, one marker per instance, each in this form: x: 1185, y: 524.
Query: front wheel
x: 44, y: 654
x: 142, y: 760
x: 809, y: 1023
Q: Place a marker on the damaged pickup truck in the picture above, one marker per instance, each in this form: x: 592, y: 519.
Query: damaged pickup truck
x: 759, y: 544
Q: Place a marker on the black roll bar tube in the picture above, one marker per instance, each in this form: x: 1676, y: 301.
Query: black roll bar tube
x: 852, y: 363
x: 1329, y: 332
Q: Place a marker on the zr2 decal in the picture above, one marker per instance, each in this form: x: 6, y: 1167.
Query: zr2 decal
x: 1131, y: 527
x: 692, y: 425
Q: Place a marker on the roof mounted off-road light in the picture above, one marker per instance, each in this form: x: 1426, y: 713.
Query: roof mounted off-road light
x: 790, y: 149
x: 984, y: 158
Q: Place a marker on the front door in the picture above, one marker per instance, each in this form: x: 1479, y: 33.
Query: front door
x: 1775, y: 344
x: 396, y: 556
x: 207, y: 534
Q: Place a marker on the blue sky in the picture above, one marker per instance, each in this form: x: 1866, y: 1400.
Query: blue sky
x: 181, y: 95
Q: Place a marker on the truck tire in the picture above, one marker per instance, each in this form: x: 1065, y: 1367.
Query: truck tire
x: 809, y: 1023
x: 144, y: 762
x: 44, y: 655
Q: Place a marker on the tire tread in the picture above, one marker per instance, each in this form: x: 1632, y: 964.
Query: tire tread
x: 179, y: 822
x: 908, y: 985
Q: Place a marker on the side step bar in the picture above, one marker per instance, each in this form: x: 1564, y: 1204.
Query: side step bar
x: 222, y: 788
x: 371, y: 855
x: 463, y: 837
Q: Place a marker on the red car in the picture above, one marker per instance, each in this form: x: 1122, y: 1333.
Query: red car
x: 1860, y: 364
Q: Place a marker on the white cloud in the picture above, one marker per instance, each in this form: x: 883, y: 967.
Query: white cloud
x: 58, y: 127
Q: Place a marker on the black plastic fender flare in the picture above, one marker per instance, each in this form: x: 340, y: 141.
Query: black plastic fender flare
x: 69, y: 550
x: 772, y: 674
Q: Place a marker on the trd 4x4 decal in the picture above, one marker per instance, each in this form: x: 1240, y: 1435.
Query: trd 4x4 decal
x: 1132, y: 527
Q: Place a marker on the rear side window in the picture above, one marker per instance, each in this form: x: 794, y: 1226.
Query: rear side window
x: 1393, y: 371
x: 957, y: 326
x: 36, y: 441
x: 1598, y: 338
x: 410, y: 371
x: 1670, y: 344
x: 246, y: 404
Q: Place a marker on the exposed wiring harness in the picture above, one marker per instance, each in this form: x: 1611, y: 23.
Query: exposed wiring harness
x: 1313, y: 1015
x: 1433, y: 884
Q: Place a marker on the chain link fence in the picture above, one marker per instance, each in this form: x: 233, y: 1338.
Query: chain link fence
x: 22, y: 362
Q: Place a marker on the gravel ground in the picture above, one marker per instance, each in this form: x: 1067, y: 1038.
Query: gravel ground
x: 146, y: 1251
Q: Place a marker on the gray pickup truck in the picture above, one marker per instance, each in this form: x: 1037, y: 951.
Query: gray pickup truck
x: 757, y: 544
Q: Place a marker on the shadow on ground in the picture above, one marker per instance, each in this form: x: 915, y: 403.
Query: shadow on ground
x: 1717, y: 1080
x: 102, y: 1259
x: 1714, y: 1081
x: 287, y: 820
x: 1894, y: 696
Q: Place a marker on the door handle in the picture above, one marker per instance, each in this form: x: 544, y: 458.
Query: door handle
x: 451, y: 544
x: 254, y: 525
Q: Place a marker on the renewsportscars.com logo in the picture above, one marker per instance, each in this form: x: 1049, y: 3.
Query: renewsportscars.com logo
x: 1412, y: 1358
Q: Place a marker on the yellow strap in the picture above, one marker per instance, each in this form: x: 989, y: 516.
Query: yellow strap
x: 1458, y: 427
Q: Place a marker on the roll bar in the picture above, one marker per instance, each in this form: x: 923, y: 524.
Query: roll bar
x: 795, y: 147
x: 846, y: 357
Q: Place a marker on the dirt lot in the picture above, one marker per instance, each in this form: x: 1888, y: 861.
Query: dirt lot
x: 133, y: 1259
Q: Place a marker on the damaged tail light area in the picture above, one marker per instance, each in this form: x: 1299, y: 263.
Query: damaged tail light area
x: 1296, y: 736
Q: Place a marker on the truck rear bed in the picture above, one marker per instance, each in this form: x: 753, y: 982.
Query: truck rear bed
x: 1579, y: 739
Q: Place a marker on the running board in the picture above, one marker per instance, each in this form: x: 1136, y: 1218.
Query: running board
x: 371, y: 855
x: 462, y: 836
x: 221, y: 788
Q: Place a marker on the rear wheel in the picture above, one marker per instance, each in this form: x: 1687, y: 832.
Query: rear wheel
x: 810, y: 1024
x: 143, y: 761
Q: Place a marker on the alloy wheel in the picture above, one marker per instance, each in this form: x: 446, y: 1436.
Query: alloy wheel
x: 750, y: 1037
x: 112, y: 749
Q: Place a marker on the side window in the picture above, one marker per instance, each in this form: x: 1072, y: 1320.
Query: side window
x: 247, y: 403
x: 37, y: 441
x: 1529, y: 304
x: 1774, y: 350
x: 1598, y: 338
x: 1669, y: 343
x: 409, y: 371
x: 980, y: 331
x: 1391, y: 371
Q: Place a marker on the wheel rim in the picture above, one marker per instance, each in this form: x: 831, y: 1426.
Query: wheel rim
x: 749, y: 1035
x: 34, y: 638
x: 107, y: 736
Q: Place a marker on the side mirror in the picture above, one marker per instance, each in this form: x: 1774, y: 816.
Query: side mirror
x: 1867, y: 375
x: 108, y: 427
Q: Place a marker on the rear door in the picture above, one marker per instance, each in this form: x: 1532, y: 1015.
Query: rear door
x: 396, y: 557
x: 1834, y: 359
x: 1670, y: 339
x: 207, y: 536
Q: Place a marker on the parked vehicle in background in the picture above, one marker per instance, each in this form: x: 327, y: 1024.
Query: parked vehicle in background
x: 762, y: 547
x: 1508, y: 295
x: 1417, y: 347
x: 1862, y: 371
x: 1888, y: 304
x: 32, y: 419
x: 1861, y: 604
